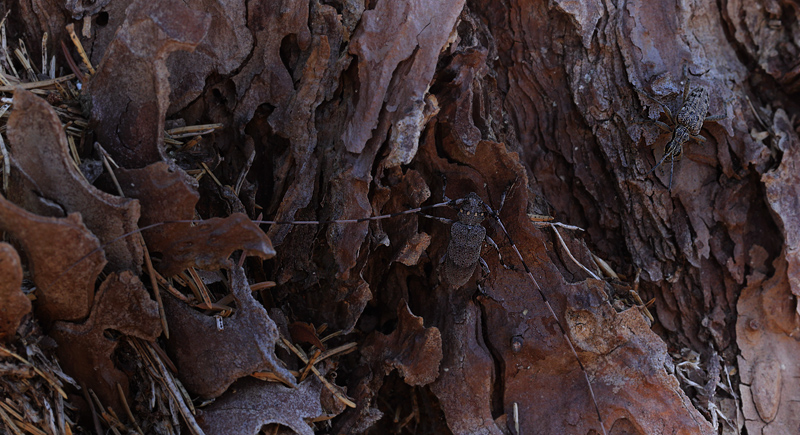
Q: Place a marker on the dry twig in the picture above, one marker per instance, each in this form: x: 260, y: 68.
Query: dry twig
x: 336, y: 393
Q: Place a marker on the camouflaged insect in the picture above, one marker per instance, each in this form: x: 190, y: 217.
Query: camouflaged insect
x: 686, y: 125
x: 466, y: 239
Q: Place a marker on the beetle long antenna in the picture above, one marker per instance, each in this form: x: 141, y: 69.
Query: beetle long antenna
x: 194, y: 221
x: 550, y: 308
x: 359, y: 220
x: 658, y: 164
x: 671, y: 167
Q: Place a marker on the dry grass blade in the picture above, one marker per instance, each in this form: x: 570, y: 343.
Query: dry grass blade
x: 18, y: 420
x: 95, y: 418
x: 271, y: 377
x: 53, y: 382
x: 311, y: 362
x: 565, y: 226
x: 164, y: 358
x: 635, y: 294
x: 324, y: 381
x: 191, y: 144
x: 108, y: 415
x: 30, y: 428
x: 641, y: 305
x: 73, y: 152
x: 321, y: 418
x: 38, y: 84
x: 151, y: 272
x: 262, y: 285
x: 63, y: 427
x: 564, y: 245
x: 81, y: 123
x: 72, y: 65
x: 205, y: 297
x: 184, y: 280
x: 171, y: 141
x: 128, y: 409
x: 193, y: 130
x: 167, y: 286
x: 540, y: 219
x: 341, y: 350
x: 605, y: 268
x: 175, y: 392
x: 26, y: 60
x: 243, y: 173
x: 330, y: 336
x: 9, y: 423
x: 23, y: 59
x: 739, y: 418
x: 220, y: 305
x: 6, y: 163
x: 107, y: 164
x: 52, y: 73
x: 4, y: 48
x: 149, y: 364
x: 79, y: 46
x: 208, y: 171
x: 405, y: 421
x: 44, y: 53
x: 215, y: 306
x: 4, y: 42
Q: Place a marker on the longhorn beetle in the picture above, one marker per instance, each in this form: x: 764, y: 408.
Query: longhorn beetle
x: 467, y: 236
x: 468, y: 218
x: 686, y: 125
x: 461, y: 258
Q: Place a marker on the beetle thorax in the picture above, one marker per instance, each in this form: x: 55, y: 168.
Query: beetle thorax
x: 471, y: 210
x: 680, y: 136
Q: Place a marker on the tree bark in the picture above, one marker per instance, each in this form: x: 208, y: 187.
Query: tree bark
x: 353, y: 108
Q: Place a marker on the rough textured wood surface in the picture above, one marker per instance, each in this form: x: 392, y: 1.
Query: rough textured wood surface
x: 352, y: 108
